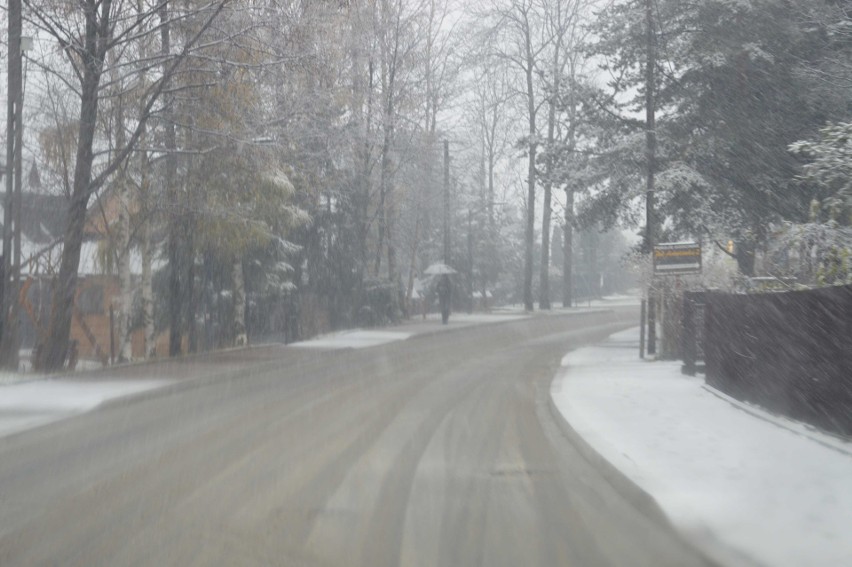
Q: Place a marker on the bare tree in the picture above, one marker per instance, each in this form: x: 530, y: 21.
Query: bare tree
x: 439, y: 71
x: 563, y: 30
x: 519, y: 35
x: 88, y: 33
x: 398, y: 45
x: 488, y: 113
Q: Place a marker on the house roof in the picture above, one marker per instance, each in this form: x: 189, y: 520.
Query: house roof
x: 43, y: 223
x: 43, y: 217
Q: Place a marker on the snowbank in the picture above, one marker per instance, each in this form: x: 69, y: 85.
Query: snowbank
x: 30, y: 404
x: 353, y: 339
x: 773, y: 494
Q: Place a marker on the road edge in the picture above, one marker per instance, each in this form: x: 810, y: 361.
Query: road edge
x: 232, y: 374
x: 713, y: 550
x: 526, y: 315
x: 199, y: 382
x: 640, y: 499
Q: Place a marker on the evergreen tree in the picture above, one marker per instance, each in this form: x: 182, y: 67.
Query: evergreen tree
x: 730, y: 101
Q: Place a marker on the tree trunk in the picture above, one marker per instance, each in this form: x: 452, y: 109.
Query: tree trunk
x: 412, y: 268
x: 9, y: 319
x: 365, y: 185
x: 125, y: 304
x: 361, y: 121
x: 389, y: 62
x: 187, y: 224
x: 53, y: 353
x: 529, y: 232
x: 240, y: 336
x: 390, y: 230
x: 567, y: 249
x: 446, y: 203
x: 147, y: 285
x: 147, y: 252
x: 189, y: 291
x: 650, y: 158
x: 125, y: 311
x: 175, y: 262
x: 491, y: 160
x: 382, y: 217
x: 544, y: 295
x: 8, y: 339
x: 174, y: 218
x: 544, y: 273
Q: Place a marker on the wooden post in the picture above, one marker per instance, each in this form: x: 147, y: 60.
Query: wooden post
x: 688, y: 336
x: 9, y: 340
x: 470, y: 258
x: 652, y: 322
x: 650, y: 157
x: 111, y: 334
x: 446, y: 202
x: 642, y: 329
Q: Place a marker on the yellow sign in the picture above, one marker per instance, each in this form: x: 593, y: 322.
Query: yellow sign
x: 677, y: 258
x: 692, y: 252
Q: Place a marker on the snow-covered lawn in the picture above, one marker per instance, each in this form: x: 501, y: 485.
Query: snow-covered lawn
x: 30, y: 404
x: 26, y: 373
x: 774, y: 492
x: 479, y: 317
x: 7, y: 377
x: 364, y: 338
x: 353, y: 339
x: 616, y: 300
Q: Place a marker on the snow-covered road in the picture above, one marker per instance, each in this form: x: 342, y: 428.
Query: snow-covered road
x: 438, y: 450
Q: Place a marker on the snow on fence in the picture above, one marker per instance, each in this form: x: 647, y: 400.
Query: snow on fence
x: 788, y: 352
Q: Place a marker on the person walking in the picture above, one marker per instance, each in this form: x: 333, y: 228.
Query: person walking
x: 445, y: 297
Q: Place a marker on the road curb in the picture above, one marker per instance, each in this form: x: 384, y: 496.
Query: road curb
x: 156, y: 361
x: 630, y: 491
x: 64, y: 375
x: 170, y: 387
x: 713, y: 552
x: 181, y: 385
x: 520, y: 317
x: 199, y: 381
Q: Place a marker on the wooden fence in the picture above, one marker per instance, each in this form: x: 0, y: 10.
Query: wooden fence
x: 788, y: 352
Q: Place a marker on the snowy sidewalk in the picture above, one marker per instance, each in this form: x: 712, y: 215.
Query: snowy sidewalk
x: 746, y: 486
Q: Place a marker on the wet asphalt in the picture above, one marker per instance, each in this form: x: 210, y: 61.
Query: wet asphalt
x: 438, y: 450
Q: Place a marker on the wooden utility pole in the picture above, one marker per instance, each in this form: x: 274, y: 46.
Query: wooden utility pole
x: 650, y: 156
x: 470, y: 258
x: 9, y: 341
x: 447, y: 202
